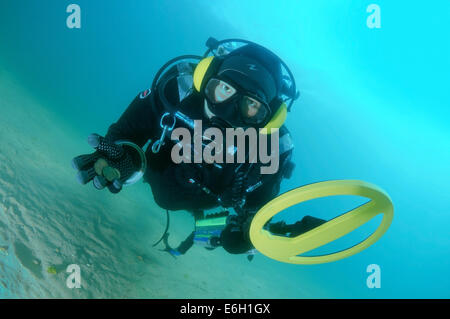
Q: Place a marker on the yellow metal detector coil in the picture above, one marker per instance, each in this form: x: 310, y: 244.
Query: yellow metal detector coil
x: 287, y: 249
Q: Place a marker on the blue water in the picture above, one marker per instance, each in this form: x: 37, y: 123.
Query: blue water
x: 374, y: 106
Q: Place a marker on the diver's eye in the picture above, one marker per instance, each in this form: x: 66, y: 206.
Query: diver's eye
x: 250, y: 107
x: 218, y: 91
x: 226, y: 89
x: 223, y: 91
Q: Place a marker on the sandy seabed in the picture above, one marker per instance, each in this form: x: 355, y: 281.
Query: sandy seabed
x: 49, y: 221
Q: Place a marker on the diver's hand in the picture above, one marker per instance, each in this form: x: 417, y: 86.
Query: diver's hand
x: 109, y: 166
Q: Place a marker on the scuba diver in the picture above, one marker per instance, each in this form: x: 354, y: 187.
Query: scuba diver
x: 235, y: 84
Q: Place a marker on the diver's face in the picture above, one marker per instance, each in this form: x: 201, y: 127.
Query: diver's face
x: 239, y: 110
x: 215, y: 121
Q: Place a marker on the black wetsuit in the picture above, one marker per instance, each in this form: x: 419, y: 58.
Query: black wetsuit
x: 169, y: 181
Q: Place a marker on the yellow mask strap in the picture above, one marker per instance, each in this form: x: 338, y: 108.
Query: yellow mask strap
x: 200, y: 71
x: 277, y: 120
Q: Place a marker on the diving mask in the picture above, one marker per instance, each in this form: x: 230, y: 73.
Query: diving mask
x: 238, y: 109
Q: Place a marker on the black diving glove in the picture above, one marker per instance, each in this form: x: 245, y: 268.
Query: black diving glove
x: 109, y: 166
